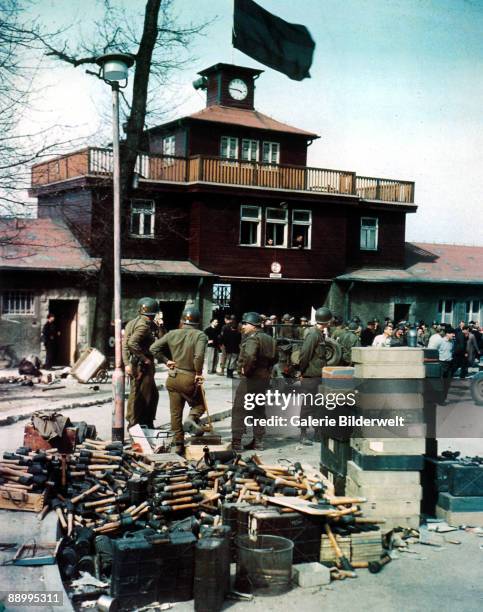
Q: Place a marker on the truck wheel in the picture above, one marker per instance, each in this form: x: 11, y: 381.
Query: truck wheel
x: 477, y: 389
x: 333, y: 352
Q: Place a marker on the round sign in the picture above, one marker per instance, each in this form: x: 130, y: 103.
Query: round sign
x: 276, y: 268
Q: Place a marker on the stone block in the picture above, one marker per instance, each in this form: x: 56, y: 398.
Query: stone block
x: 390, y: 370
x: 456, y: 519
x: 311, y: 574
x: 395, y: 491
x: 386, y: 355
x: 381, y: 478
x: 389, y: 401
x: 389, y: 446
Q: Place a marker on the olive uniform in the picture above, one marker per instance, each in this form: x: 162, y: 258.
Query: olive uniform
x: 187, y: 348
x: 347, y: 342
x: 143, y: 395
x: 258, y: 354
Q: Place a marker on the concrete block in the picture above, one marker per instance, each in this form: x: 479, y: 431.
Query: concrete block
x: 456, y: 519
x: 385, y: 355
x: 386, y: 508
x: 390, y: 370
x: 381, y: 478
x: 311, y: 574
x: 391, y: 385
x: 392, y: 463
x: 394, y: 491
x: 389, y: 446
x: 389, y: 401
x: 408, y: 431
x: 460, y: 504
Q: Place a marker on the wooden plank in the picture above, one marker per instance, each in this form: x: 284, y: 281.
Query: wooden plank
x: 301, y: 505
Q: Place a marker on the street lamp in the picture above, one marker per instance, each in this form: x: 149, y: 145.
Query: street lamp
x: 114, y: 68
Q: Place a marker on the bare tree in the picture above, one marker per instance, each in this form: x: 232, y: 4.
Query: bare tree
x: 156, y: 45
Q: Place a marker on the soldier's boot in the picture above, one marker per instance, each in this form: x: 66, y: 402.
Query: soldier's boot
x: 236, y: 444
x: 193, y: 427
x: 255, y: 444
x: 304, y: 439
x: 229, y: 373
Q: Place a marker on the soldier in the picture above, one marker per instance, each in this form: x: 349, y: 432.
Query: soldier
x: 368, y: 334
x: 338, y: 329
x: 287, y: 329
x: 50, y: 337
x: 139, y: 364
x: 187, y: 347
x: 312, y: 360
x: 303, y: 328
x: 223, y: 350
x: 349, y: 340
x: 257, y: 356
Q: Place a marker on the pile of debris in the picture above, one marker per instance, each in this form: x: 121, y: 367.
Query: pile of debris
x: 153, y: 527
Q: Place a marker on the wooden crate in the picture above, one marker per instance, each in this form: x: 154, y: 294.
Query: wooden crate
x: 22, y: 500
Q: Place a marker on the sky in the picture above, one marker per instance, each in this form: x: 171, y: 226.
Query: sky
x: 396, y: 91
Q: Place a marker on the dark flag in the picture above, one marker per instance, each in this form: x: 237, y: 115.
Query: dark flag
x: 286, y: 47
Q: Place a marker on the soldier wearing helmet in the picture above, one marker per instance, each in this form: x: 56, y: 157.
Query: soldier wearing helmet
x: 350, y: 339
x: 186, y: 347
x: 138, y: 361
x: 258, y: 353
x: 312, y: 360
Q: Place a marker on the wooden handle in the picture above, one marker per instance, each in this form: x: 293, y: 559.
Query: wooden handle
x: 10, y: 472
x: 184, y: 507
x: 61, y: 518
x: 333, y: 541
x: 178, y: 487
x: 336, y: 501
x: 93, y: 489
x: 177, y: 500
x: 100, y: 502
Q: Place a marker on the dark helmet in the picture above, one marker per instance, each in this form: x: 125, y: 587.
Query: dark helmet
x: 148, y: 306
x: 252, y: 317
x: 353, y: 326
x: 191, y: 316
x: 323, y: 315
x: 286, y: 317
x: 356, y: 319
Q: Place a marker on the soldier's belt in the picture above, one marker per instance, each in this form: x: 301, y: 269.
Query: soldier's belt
x: 182, y: 371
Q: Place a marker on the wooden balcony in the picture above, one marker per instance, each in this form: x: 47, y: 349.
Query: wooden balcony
x: 96, y: 162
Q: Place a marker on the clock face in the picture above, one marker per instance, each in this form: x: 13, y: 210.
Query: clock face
x: 238, y: 89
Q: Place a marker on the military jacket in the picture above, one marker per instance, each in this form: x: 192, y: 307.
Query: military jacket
x: 187, y: 347
x: 258, y: 353
x: 312, y: 354
x: 138, y: 337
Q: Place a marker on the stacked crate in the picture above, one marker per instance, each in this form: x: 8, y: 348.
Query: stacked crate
x: 462, y: 504
x: 335, y: 447
x: 386, y: 463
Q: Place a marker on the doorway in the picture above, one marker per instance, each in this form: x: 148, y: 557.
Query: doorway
x: 65, y: 312
x: 401, y: 312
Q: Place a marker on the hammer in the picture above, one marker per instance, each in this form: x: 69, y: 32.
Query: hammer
x: 86, y: 493
x: 182, y: 500
x: 56, y: 505
x: 376, y: 566
x: 345, y: 563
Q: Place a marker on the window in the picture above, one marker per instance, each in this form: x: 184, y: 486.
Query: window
x: 473, y: 308
x: 249, y: 150
x: 369, y: 233
x: 250, y: 221
x: 276, y: 227
x: 271, y: 153
x: 222, y: 295
x: 301, y: 229
x: 445, y: 311
x: 169, y: 145
x: 18, y: 303
x: 142, y: 218
x: 229, y: 147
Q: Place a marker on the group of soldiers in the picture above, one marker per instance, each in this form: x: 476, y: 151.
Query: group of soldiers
x: 183, y: 352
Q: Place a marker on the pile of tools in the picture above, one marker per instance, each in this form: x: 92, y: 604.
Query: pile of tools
x: 110, y: 497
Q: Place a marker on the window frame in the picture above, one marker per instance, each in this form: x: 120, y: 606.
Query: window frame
x: 142, y: 213
x: 169, y: 140
x: 283, y: 222
x: 7, y: 296
x: 270, y: 146
x: 304, y: 224
x: 472, y: 315
x: 257, y: 220
x: 251, y: 142
x: 366, y: 229
x: 235, y: 139
x: 443, y: 312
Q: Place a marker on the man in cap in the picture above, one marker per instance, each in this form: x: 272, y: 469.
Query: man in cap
x: 139, y: 334
x: 303, y: 328
x: 349, y: 340
x: 312, y: 360
x: 258, y: 354
x: 368, y: 334
x: 230, y: 340
x: 186, y: 347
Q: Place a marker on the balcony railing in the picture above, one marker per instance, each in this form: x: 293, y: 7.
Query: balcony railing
x: 98, y: 162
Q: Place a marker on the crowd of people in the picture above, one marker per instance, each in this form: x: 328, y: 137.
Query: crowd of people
x: 254, y: 348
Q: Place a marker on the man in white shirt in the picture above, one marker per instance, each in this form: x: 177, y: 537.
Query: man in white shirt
x: 435, y: 341
x: 384, y: 339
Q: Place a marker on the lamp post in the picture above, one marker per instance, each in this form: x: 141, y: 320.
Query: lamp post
x: 114, y: 69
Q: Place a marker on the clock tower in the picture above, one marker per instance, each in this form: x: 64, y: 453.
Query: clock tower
x: 229, y: 85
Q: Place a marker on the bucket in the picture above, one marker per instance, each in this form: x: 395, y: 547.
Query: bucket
x: 264, y: 564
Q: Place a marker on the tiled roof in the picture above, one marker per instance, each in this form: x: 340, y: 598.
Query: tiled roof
x: 429, y: 263
x: 246, y: 118
x: 48, y: 244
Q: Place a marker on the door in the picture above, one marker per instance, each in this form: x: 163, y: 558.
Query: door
x: 65, y: 312
x: 401, y: 312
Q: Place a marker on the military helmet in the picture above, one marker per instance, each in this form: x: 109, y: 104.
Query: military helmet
x: 286, y: 317
x: 323, y: 315
x: 353, y: 326
x: 191, y: 316
x: 148, y: 306
x: 252, y: 317
x: 303, y: 319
